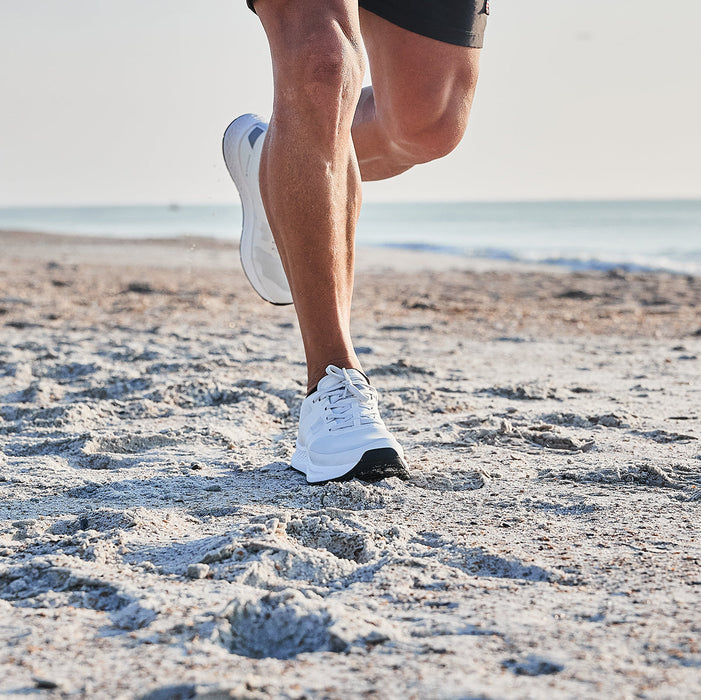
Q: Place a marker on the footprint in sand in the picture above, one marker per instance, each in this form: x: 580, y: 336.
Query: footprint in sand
x: 41, y: 584
x: 283, y: 624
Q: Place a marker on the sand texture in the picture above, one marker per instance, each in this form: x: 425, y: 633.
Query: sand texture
x: 155, y: 543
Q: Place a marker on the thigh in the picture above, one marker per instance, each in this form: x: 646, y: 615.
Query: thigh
x: 415, y: 76
x: 301, y: 22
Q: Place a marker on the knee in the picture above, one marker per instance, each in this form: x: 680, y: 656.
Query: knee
x: 322, y: 72
x: 430, y: 122
x: 425, y: 135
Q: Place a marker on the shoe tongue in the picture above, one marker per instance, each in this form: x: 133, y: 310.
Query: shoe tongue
x: 332, y: 378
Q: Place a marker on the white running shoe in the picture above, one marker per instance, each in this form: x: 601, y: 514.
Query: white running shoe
x: 242, y: 146
x: 341, y: 434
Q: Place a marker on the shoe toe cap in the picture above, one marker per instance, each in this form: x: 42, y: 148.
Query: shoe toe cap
x: 330, y: 450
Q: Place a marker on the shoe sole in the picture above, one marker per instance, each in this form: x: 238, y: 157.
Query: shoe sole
x: 373, y: 466
x: 232, y: 160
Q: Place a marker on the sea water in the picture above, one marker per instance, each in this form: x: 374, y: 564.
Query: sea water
x: 635, y: 235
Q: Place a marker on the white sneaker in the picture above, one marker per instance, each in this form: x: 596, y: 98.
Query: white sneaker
x: 341, y: 434
x: 242, y: 146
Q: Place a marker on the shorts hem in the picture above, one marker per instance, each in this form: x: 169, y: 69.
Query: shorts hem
x: 439, y: 32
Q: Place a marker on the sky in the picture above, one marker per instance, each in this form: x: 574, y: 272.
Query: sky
x: 125, y: 102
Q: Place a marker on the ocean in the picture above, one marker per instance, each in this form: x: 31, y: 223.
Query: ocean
x: 633, y: 235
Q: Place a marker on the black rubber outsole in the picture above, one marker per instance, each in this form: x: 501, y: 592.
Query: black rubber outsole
x: 373, y: 466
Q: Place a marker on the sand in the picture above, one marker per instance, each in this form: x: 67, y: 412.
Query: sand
x: 155, y: 543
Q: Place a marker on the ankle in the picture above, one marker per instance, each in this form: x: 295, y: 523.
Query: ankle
x: 317, y: 372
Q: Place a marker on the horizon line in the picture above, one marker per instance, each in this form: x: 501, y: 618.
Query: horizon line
x: 554, y: 200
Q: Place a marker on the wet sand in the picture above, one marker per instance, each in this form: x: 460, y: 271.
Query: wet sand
x: 155, y: 543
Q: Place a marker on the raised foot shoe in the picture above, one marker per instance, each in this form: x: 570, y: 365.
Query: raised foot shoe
x: 242, y: 146
x: 341, y: 435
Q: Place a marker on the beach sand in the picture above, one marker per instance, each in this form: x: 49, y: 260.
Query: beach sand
x: 155, y: 543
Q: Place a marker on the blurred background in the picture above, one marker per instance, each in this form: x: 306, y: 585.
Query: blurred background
x: 105, y: 103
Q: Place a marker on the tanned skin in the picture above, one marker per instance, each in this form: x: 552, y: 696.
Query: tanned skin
x: 327, y: 134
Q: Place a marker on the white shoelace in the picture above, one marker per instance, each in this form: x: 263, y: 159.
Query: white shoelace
x: 342, y: 398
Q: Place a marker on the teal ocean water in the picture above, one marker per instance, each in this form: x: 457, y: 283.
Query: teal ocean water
x: 636, y: 235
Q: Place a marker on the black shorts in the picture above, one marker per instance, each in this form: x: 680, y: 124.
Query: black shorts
x: 460, y: 22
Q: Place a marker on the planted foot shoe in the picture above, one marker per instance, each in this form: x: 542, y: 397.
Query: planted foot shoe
x: 341, y: 435
x: 242, y: 146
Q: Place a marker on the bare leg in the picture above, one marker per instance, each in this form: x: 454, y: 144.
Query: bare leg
x: 309, y: 176
x: 418, y: 105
